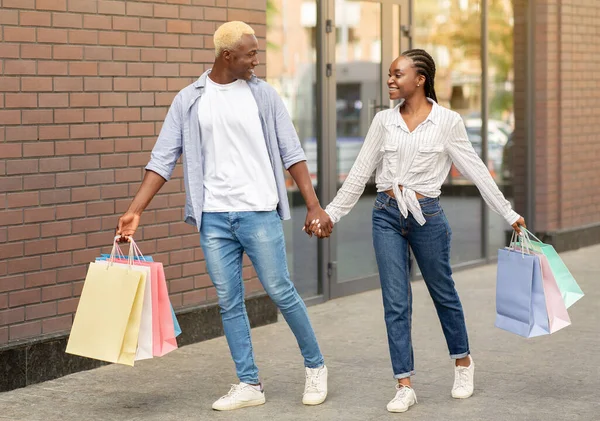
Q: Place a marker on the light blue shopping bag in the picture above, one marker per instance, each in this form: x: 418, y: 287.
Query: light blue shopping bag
x: 520, y: 300
x: 106, y: 256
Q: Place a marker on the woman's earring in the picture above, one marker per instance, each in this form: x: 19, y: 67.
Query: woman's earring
x: 418, y: 84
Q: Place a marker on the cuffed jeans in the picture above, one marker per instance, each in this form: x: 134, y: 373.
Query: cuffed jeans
x: 430, y: 243
x: 224, y: 237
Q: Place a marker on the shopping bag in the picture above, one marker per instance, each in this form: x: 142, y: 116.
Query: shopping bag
x: 145, y: 342
x: 143, y: 258
x: 107, y: 321
x: 520, y: 299
x: 570, y: 290
x: 163, y: 328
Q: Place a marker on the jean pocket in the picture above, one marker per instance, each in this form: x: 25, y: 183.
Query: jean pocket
x: 379, y: 205
x: 431, y: 210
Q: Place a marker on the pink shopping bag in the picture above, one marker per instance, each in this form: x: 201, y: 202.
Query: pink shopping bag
x: 558, y: 317
x: 163, y: 330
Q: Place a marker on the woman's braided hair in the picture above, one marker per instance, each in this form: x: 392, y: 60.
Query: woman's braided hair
x: 425, y: 66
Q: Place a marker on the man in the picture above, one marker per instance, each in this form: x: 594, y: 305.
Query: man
x: 234, y: 133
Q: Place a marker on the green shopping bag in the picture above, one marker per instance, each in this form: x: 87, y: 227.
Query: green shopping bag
x: 566, y: 283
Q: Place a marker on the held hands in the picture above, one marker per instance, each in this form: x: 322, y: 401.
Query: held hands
x: 517, y: 225
x: 318, y: 223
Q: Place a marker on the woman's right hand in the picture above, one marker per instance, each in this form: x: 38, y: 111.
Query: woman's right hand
x: 520, y: 223
x: 127, y: 225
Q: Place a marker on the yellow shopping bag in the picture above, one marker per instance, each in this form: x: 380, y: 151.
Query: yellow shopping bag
x: 107, y: 321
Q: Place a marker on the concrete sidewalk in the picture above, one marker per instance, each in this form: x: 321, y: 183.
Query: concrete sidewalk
x: 548, y: 378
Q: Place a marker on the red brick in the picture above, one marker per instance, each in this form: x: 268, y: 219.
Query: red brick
x: 128, y: 114
x: 84, y: 100
x: 36, y: 84
x: 83, y: 6
x: 112, y: 38
x: 11, y: 51
x: 180, y: 256
x: 35, y: 18
x: 28, y: 100
x: 140, y: 40
x: 52, y: 36
x: 10, y: 150
x: 166, y: 40
x: 113, y: 100
x: 70, y: 115
x: 141, y: 129
x: 129, y: 174
x: 8, y: 251
x: 113, y: 69
x: 28, y: 296
x: 38, y: 279
x: 21, y: 166
x: 20, y: 200
x: 12, y: 316
x: 54, y: 229
x: 40, y: 246
x: 100, y: 177
x: 154, y: 25
x: 19, y: 34
x: 52, y: 68
x: 85, y: 162
x: 100, y: 208
x: 179, y: 285
x: 21, y: 133
x: 36, y: 51
x: 179, y: 55
x: 97, y: 22
x: 76, y: 273
x: 98, y: 114
x: 192, y: 13
x: 12, y: 283
x: 25, y: 330
x: 114, y: 161
x: 84, y: 131
x: 10, y: 17
x: 78, y: 36
x: 70, y: 84
x: 83, y: 69
x: 203, y: 56
x: 24, y: 232
x: 68, y: 52
x: 39, y: 117
x: 127, y: 84
x: 166, y: 11
x: 113, y: 130
x: 56, y: 292
x: 97, y: 53
x: 19, y: 67
x: 126, y: 23
x: 70, y: 211
x: 154, y: 113
x: 52, y: 197
x: 51, y: 261
x: 68, y: 306
x: 39, y: 214
x: 84, y: 257
x: 202, y: 281
x: 177, y: 84
x: 153, y: 55
x: 67, y: 20
x: 39, y: 311
x: 97, y: 84
x: 74, y: 242
x: 85, y: 194
x: 70, y: 179
x: 194, y: 297
x: 57, y: 324
x: 87, y: 225
x: 196, y: 268
x: 9, y: 83
x: 139, y: 9
x: 54, y: 165
x: 57, y: 5
x: 99, y: 146
x: 179, y: 26
x: 70, y: 147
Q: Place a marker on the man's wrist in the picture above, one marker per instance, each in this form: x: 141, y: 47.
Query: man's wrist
x: 313, y: 205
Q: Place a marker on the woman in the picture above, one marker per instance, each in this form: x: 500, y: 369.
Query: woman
x: 413, y: 147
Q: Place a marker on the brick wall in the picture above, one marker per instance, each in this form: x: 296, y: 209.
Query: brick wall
x: 567, y: 108
x: 84, y: 87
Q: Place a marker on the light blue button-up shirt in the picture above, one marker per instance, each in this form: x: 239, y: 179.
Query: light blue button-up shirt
x: 181, y: 134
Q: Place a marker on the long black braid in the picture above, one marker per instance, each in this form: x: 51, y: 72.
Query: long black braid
x: 425, y: 66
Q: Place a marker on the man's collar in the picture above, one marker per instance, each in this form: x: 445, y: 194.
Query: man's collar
x: 201, y: 82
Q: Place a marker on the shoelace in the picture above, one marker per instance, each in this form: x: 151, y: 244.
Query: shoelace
x: 463, y: 377
x: 402, y: 393
x: 235, y: 389
x: 312, y: 381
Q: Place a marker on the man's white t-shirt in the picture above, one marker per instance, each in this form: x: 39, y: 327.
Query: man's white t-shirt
x: 238, y: 176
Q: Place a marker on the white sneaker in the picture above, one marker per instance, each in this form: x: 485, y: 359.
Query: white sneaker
x: 463, y: 381
x: 404, y: 399
x: 240, y: 396
x: 315, y: 388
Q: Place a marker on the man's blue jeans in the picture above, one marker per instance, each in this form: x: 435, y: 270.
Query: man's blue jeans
x: 224, y: 237
x: 430, y: 243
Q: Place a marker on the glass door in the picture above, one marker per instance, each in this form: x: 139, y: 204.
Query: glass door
x: 368, y: 36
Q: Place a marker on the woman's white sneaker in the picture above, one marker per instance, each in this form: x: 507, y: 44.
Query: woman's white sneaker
x: 463, y: 381
x: 315, y: 388
x: 404, y: 399
x: 240, y: 396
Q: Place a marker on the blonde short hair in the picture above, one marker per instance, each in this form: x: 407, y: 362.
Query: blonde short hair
x: 229, y: 35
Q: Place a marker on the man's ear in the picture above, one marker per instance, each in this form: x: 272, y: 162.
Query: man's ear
x: 226, y: 55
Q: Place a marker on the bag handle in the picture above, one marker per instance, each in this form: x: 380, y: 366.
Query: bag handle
x: 530, y: 234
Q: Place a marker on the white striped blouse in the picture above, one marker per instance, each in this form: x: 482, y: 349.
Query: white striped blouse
x: 419, y: 161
